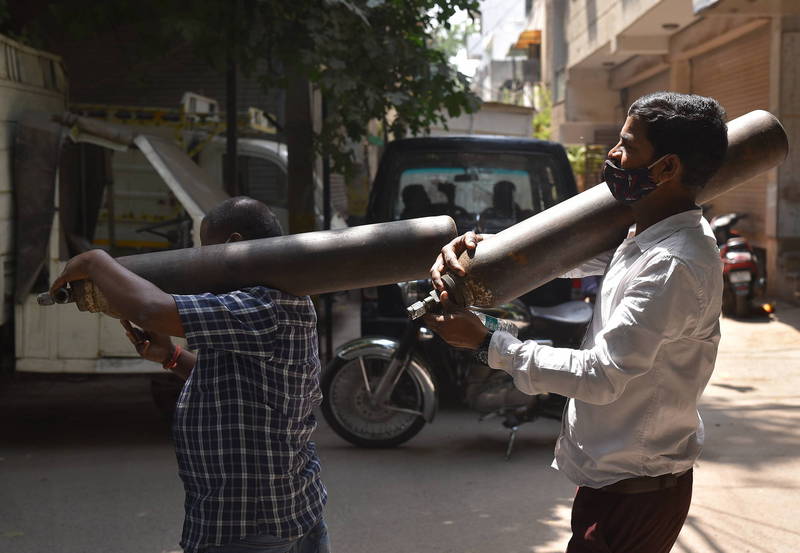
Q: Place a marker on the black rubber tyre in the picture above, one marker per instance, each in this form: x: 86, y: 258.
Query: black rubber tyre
x: 728, y: 302
x: 742, y: 308
x: 346, y: 408
x: 734, y: 305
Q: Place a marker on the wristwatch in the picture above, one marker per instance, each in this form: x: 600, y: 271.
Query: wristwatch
x: 482, y: 354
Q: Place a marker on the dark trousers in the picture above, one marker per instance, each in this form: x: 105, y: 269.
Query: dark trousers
x: 607, y: 522
x: 315, y: 540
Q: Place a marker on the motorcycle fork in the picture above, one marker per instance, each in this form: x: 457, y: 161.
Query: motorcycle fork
x: 396, y: 366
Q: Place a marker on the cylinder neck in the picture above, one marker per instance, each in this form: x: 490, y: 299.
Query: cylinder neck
x: 457, y: 290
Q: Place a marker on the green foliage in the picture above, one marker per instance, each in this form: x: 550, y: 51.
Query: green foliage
x: 576, y: 154
x: 369, y: 58
x: 586, y: 160
x: 542, y: 119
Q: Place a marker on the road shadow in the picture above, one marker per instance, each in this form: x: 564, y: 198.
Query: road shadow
x: 54, y: 412
x: 752, y: 435
x: 740, y: 389
x: 727, y: 525
x: 785, y: 313
x: 448, y: 489
x: 752, y: 319
x: 788, y: 315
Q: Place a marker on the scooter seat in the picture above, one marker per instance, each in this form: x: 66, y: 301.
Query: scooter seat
x: 571, y: 312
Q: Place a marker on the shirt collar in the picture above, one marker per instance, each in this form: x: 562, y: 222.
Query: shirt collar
x: 656, y: 233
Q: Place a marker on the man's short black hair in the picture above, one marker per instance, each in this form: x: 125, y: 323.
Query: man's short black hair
x: 689, y: 126
x: 250, y: 218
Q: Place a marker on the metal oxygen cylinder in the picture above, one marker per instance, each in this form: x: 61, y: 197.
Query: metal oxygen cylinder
x: 85, y: 295
x: 547, y: 245
x: 300, y: 264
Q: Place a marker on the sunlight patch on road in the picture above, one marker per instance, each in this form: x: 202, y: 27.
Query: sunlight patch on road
x: 559, y: 524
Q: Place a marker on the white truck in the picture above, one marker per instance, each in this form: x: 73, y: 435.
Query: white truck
x: 125, y: 188
x: 30, y: 80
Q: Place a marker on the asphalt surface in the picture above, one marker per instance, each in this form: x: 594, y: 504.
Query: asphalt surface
x: 86, y: 466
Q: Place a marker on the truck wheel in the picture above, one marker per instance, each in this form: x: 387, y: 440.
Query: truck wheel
x: 347, y: 409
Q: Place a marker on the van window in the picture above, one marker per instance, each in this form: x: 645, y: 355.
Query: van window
x: 487, y: 192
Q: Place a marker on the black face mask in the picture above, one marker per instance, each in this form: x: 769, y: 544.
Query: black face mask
x: 629, y: 185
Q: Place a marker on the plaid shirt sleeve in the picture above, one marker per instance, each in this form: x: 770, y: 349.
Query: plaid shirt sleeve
x: 243, y: 321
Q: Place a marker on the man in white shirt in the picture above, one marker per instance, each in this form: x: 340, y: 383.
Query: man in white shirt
x: 631, y: 431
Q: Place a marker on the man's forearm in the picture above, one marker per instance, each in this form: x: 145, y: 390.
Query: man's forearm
x: 591, y: 375
x: 133, y: 297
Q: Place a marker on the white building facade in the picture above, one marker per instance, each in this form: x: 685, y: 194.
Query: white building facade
x: 506, y: 72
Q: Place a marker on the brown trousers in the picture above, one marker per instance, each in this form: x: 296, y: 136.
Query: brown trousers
x: 606, y: 522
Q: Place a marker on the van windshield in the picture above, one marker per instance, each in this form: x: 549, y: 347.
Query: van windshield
x: 485, y: 192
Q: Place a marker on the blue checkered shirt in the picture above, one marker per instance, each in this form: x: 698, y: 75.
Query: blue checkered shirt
x: 244, y: 419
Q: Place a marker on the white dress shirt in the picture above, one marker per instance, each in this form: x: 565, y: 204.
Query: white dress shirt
x: 646, y: 358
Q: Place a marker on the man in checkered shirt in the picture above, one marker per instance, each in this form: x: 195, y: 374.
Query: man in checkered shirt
x: 244, y: 419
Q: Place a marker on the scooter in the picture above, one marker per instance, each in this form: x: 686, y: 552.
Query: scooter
x: 380, y: 391
x: 745, y: 282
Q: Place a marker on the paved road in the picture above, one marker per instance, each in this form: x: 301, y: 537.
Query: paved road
x: 747, y: 482
x: 86, y: 466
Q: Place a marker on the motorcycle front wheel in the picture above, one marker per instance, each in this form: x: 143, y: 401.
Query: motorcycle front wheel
x: 346, y: 388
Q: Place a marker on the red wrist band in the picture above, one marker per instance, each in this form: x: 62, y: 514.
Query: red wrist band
x: 173, y: 360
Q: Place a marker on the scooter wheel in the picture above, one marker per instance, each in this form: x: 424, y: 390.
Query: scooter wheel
x: 742, y: 308
x: 348, y: 411
x: 734, y: 305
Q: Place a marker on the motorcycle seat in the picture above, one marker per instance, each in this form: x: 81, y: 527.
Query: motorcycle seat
x: 571, y: 312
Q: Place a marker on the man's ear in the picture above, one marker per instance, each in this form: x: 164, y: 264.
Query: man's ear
x: 234, y: 237
x: 671, y: 167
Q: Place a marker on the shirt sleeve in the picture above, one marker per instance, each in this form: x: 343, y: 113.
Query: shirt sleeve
x: 660, y: 305
x: 241, y: 322
x: 595, y: 266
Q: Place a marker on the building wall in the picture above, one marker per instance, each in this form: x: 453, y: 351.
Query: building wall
x: 784, y: 199
x: 501, y: 23
x: 737, y: 76
x: 594, y: 23
x: 493, y: 118
x: 589, y: 105
x: 747, y: 62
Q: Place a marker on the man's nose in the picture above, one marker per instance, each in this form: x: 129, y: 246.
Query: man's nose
x: 615, y: 153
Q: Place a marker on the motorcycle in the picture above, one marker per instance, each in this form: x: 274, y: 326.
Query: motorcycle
x: 380, y: 391
x: 745, y: 282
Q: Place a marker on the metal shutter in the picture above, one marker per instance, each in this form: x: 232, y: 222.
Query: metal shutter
x: 656, y: 83
x: 737, y: 75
